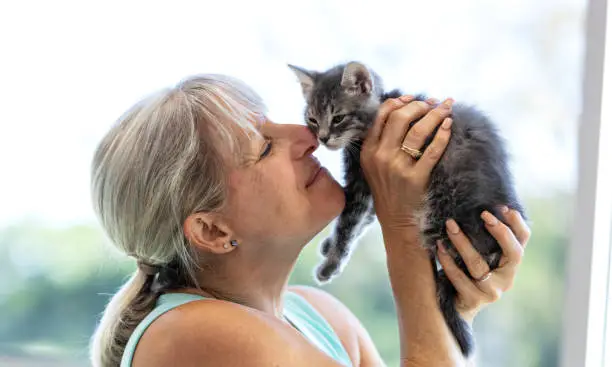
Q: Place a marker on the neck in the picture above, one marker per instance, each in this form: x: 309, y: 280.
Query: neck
x: 256, y: 284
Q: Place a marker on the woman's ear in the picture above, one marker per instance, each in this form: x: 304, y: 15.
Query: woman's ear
x: 208, y: 232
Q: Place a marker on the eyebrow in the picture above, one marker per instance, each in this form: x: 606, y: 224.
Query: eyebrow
x: 252, y: 153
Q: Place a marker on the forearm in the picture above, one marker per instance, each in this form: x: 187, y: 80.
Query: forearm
x: 424, y: 337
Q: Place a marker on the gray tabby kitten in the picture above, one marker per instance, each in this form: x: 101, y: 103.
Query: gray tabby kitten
x: 471, y: 176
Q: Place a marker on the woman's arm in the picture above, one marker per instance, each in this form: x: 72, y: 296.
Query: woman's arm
x: 425, y: 339
x: 398, y: 183
x: 471, y: 298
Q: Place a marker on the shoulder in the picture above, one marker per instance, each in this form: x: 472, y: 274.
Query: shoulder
x: 211, y: 330
x: 347, y: 326
x: 342, y: 320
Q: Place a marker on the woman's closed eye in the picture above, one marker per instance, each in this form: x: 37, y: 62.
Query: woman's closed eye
x: 267, y: 148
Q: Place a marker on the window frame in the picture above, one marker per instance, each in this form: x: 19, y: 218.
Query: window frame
x: 587, y: 318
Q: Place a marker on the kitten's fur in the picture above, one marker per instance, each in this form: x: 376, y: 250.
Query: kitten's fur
x: 471, y: 176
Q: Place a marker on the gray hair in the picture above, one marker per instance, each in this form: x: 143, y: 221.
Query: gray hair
x: 161, y: 162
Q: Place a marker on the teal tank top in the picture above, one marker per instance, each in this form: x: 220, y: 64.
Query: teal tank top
x: 297, y: 310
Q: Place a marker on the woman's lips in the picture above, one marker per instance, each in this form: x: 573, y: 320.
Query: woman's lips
x: 315, y: 173
x: 315, y: 177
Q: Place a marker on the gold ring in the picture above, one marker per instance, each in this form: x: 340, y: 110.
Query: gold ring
x: 414, y: 153
x: 484, y: 277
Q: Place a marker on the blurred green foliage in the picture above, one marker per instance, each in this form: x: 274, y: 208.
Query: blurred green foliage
x: 54, y: 283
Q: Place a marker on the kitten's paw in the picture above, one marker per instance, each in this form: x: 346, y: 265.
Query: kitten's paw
x: 326, y: 245
x: 328, y: 269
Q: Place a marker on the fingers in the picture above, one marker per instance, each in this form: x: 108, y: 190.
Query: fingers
x: 464, y: 285
x: 476, y: 265
x: 399, y: 121
x: 418, y: 133
x: 434, y: 151
x: 517, y: 224
x: 513, y: 251
x: 489, y: 288
x: 384, y: 111
x: 471, y: 294
x: 474, y: 293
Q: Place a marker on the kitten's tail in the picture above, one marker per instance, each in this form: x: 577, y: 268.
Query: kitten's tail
x: 459, y: 327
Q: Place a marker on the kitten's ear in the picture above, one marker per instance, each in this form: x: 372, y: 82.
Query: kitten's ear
x: 356, y: 79
x: 306, y: 79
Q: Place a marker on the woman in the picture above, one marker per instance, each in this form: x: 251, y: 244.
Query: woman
x: 215, y: 203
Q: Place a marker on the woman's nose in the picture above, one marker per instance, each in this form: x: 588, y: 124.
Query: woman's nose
x: 303, y: 141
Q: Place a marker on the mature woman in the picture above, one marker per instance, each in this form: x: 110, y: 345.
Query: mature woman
x: 215, y: 202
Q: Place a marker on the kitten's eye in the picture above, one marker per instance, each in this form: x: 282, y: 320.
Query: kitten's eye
x: 338, y: 119
x: 313, y: 121
x: 267, y: 149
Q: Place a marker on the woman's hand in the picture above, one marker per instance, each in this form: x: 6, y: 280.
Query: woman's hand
x: 473, y: 295
x: 398, y: 181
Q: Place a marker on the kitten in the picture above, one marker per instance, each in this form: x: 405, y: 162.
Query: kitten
x: 471, y: 176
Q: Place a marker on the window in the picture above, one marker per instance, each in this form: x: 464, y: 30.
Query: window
x: 70, y: 68
x: 588, y: 314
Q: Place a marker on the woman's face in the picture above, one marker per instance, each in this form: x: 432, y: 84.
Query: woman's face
x: 281, y: 195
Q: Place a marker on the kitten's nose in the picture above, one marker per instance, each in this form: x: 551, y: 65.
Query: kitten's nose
x: 324, y: 139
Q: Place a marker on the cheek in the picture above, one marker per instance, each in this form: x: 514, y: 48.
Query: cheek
x: 282, y: 195
x: 354, y: 131
x: 265, y: 202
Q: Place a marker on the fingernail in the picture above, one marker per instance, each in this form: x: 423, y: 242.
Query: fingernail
x: 504, y: 209
x: 441, y: 247
x: 444, y: 107
x: 447, y: 123
x: 406, y: 98
x: 452, y: 226
x: 489, y: 218
x: 448, y: 102
x: 432, y: 101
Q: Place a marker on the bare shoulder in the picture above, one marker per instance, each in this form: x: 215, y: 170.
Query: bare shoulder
x: 342, y: 320
x: 224, y: 334
x: 354, y: 337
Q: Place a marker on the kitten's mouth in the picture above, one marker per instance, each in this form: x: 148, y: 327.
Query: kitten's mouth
x: 341, y: 142
x: 332, y: 145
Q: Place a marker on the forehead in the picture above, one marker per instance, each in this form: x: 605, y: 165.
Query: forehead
x: 325, y: 98
x: 329, y: 97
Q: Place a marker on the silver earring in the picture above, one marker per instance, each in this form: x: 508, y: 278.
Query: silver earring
x: 234, y: 243
x: 226, y: 246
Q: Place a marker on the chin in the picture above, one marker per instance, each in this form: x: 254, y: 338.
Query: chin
x: 334, y: 200
x: 326, y: 205
x: 327, y: 200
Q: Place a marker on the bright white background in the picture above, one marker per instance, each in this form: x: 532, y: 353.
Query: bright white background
x: 69, y: 69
